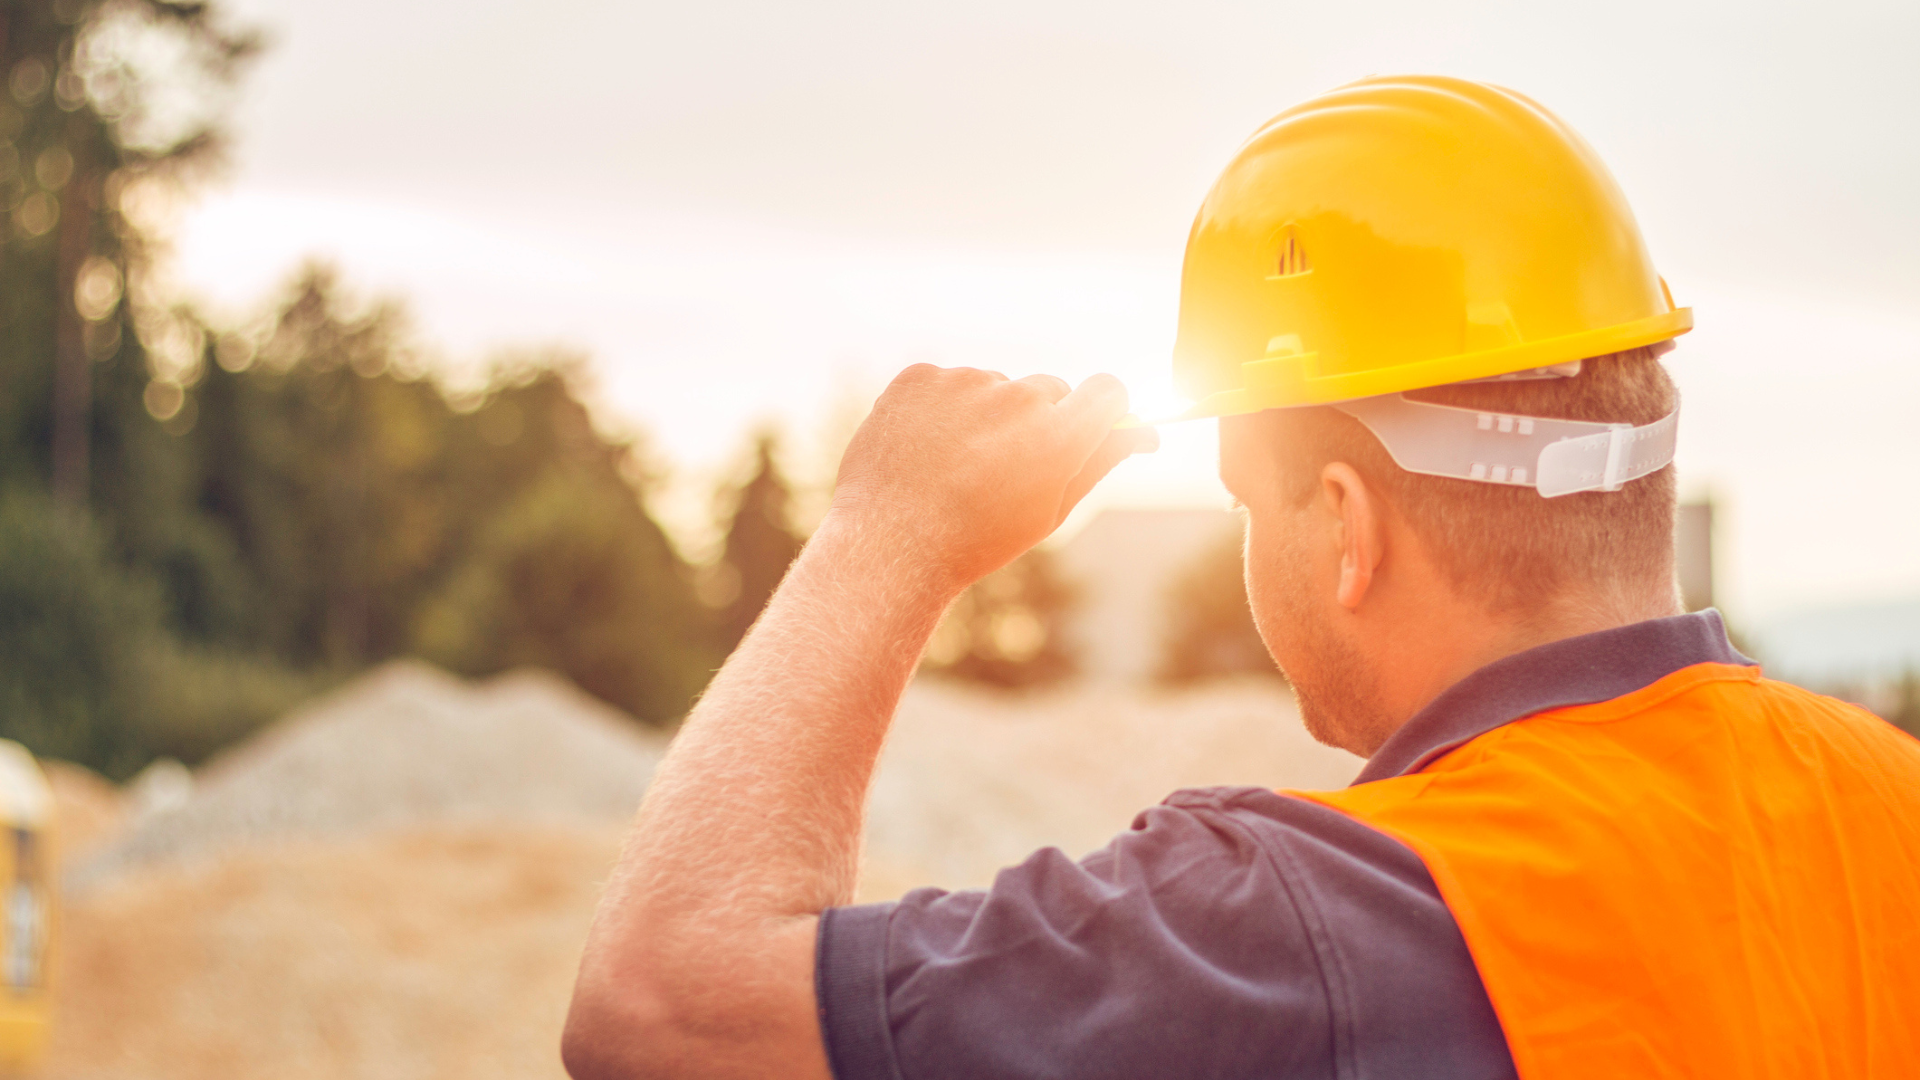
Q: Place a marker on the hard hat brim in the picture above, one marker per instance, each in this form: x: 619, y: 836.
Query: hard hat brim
x: 1290, y: 381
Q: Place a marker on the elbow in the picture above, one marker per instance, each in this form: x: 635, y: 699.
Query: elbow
x: 704, y: 1005
x: 584, y: 1049
x: 607, y: 1034
x: 579, y: 1056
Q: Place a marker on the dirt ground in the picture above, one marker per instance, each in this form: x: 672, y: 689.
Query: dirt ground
x: 376, y: 888
x: 87, y: 810
x: 435, y: 952
x: 420, y: 954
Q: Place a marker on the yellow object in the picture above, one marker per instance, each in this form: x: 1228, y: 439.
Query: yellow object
x: 1405, y: 232
x: 26, y: 907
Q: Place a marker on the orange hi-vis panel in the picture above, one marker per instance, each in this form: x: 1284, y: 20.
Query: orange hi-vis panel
x: 1717, y: 875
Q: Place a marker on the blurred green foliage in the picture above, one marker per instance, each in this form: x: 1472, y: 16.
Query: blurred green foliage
x: 572, y: 575
x: 1009, y: 628
x: 91, y: 671
x: 371, y: 517
x: 198, y: 526
x: 761, y: 543
x: 322, y: 508
x: 73, y: 626
x: 1210, y: 630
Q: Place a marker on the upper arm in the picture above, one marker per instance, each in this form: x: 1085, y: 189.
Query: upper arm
x: 1176, y: 950
x: 740, y: 1005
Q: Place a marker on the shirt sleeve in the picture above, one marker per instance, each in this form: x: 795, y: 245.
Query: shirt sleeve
x: 1180, y: 949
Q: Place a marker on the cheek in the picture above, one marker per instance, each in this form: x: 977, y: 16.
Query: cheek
x: 1275, y: 585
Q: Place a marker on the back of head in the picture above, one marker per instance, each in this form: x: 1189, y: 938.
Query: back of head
x: 1504, y: 546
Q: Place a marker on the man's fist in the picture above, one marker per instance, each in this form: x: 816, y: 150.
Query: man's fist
x: 962, y: 470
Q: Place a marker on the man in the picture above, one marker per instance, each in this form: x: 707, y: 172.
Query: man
x: 1590, y: 839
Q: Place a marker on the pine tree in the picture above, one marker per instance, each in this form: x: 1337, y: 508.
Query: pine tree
x: 104, y: 105
x: 92, y: 119
x: 199, y: 524
x: 761, y: 542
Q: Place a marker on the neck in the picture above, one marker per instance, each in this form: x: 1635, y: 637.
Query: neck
x: 1434, y: 645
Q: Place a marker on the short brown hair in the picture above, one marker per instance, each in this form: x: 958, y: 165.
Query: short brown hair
x: 1506, y: 545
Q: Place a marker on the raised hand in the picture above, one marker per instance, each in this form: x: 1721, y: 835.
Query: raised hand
x: 960, y: 470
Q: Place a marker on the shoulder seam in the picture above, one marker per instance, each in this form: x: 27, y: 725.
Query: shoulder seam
x: 1326, y: 959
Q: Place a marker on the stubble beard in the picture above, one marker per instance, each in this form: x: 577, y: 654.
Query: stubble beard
x: 1338, y: 699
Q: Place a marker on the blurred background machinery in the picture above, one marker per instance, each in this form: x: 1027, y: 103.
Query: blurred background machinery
x: 26, y: 907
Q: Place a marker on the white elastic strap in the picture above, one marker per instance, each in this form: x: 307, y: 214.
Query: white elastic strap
x: 1555, y: 457
x: 1610, y: 478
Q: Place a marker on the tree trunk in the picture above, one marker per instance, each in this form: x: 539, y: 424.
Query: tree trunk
x: 72, y: 371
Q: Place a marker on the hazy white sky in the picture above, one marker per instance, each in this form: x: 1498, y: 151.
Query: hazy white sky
x: 754, y: 211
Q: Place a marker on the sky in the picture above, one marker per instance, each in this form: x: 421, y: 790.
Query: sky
x: 756, y: 213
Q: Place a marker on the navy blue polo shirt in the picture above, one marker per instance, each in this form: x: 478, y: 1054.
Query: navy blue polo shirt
x: 1232, y: 932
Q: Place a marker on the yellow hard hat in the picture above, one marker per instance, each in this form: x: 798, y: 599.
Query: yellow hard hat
x: 1404, y: 232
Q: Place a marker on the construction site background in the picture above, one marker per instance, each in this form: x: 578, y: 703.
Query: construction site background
x: 395, y: 880
x: 348, y: 669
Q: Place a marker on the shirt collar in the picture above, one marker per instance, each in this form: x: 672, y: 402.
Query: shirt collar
x: 1575, y: 671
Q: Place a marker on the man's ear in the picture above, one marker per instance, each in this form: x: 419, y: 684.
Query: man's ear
x: 1361, y: 536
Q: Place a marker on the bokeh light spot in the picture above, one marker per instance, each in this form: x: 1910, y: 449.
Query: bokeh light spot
x: 163, y: 399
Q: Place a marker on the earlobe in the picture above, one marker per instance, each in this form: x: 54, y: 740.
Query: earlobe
x: 1361, y: 544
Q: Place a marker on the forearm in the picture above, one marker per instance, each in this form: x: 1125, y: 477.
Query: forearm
x: 756, y: 810
x: 752, y: 824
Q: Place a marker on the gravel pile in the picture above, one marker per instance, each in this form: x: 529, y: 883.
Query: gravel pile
x: 973, y: 780
x: 404, y: 745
